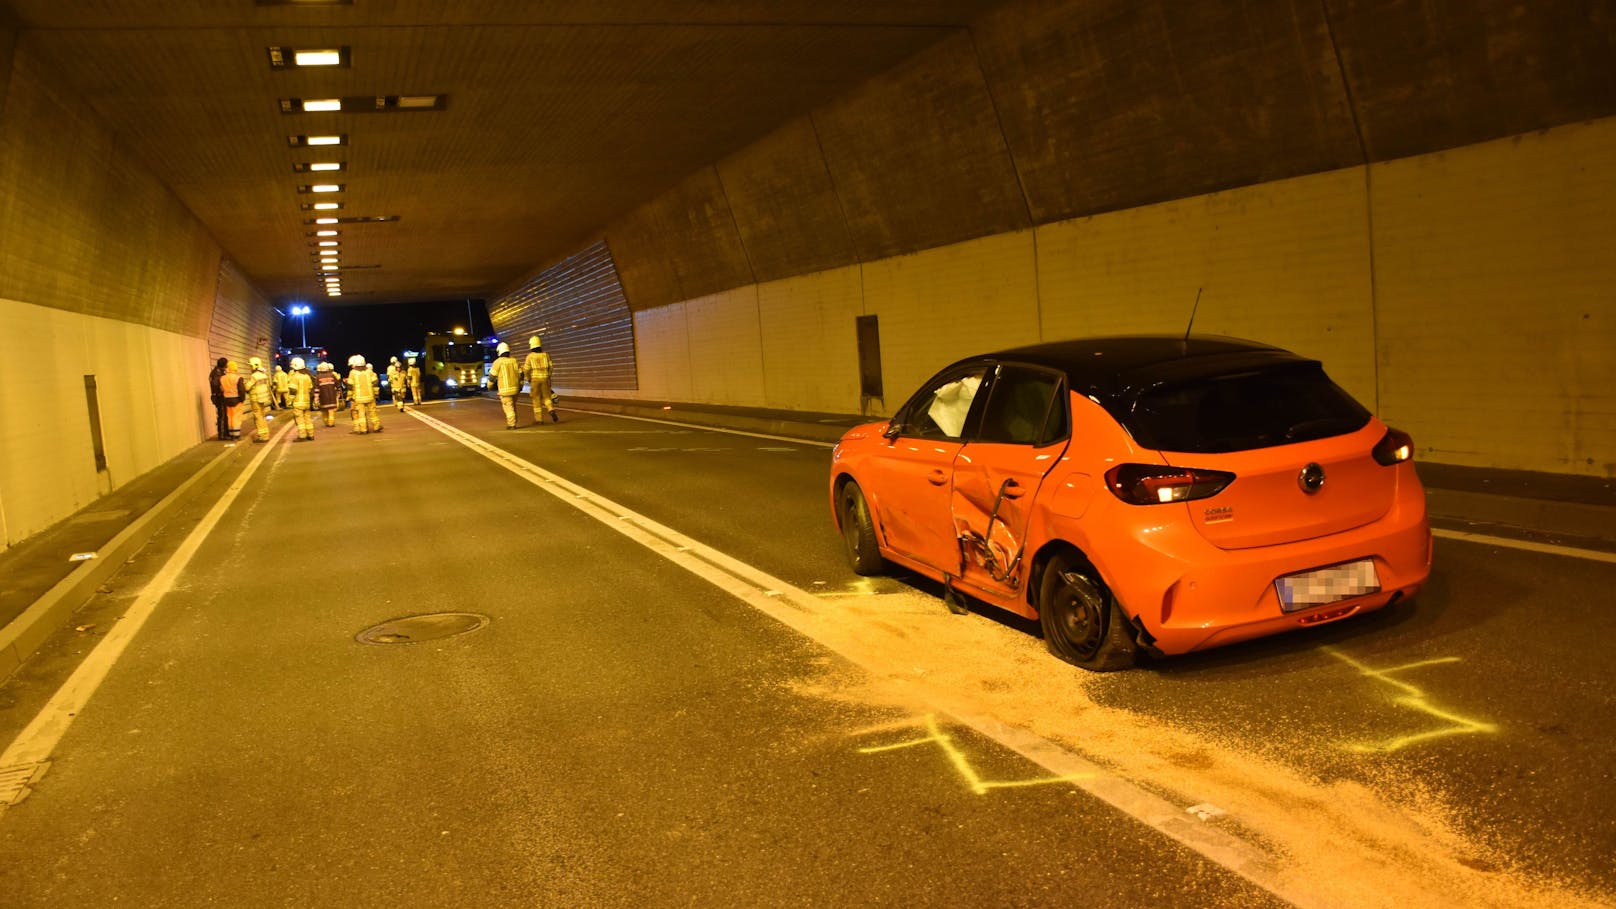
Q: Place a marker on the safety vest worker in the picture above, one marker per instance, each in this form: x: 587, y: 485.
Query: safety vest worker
x: 537, y: 370
x: 396, y: 383
x: 260, y: 391
x: 414, y: 375
x: 281, y: 386
x: 300, y: 395
x: 362, y: 385
x: 508, y: 380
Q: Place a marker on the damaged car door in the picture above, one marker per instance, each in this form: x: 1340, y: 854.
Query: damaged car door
x: 1025, y: 428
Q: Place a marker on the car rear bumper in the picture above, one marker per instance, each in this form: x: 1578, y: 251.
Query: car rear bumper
x: 1186, y: 594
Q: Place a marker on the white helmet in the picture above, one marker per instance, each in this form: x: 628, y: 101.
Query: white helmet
x: 412, y: 361
x: 393, y: 360
x: 323, y: 367
x: 503, y: 348
x: 356, y: 361
x: 297, y: 362
x: 256, y: 363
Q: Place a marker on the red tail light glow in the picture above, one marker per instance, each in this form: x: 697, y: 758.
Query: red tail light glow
x: 1155, y: 484
x: 1394, y: 447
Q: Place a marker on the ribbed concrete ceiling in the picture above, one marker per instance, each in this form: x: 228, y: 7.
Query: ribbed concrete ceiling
x: 559, y: 115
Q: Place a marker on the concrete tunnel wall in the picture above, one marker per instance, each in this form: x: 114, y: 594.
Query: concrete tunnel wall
x: 1417, y: 193
x: 103, y: 273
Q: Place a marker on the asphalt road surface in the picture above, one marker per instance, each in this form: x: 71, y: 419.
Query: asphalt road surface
x: 676, y: 693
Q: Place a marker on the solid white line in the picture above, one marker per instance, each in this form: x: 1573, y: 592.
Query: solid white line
x: 791, y: 606
x: 41, y: 736
x: 733, y: 432
x: 1528, y: 545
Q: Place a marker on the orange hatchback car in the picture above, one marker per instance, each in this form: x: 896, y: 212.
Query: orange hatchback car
x: 1154, y: 494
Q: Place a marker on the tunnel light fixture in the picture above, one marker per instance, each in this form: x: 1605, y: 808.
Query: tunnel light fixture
x: 304, y: 167
x: 330, y: 243
x: 312, y: 141
x: 322, y: 206
x: 322, y: 105
x: 327, y: 233
x: 282, y: 57
x: 354, y: 219
x: 322, y: 188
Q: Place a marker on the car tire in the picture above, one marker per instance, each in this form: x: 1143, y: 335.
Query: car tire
x: 858, y: 532
x: 1081, y: 620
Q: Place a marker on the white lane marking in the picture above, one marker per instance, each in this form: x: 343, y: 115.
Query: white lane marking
x: 794, y: 607
x: 36, y: 742
x: 733, y: 432
x: 1528, y: 545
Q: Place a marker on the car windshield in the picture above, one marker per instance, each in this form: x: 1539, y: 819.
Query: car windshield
x: 1245, y: 410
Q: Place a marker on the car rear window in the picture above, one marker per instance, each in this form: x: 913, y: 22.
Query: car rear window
x: 1244, y: 410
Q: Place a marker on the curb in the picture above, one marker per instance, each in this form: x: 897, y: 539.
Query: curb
x: 23, y: 635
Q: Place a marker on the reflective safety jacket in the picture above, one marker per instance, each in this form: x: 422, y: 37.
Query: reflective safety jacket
x: 281, y: 381
x: 301, y: 387
x: 395, y: 379
x: 362, y: 383
x: 260, y: 387
x: 536, y: 367
x: 507, y: 374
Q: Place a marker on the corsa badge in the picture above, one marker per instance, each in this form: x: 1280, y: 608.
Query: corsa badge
x: 1220, y: 515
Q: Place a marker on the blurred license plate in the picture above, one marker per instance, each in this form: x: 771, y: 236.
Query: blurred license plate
x: 1327, y: 585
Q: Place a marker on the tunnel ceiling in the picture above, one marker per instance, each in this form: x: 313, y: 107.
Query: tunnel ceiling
x: 556, y: 116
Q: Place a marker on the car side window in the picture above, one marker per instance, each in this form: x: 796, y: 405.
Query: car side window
x: 942, y: 409
x: 1022, y: 408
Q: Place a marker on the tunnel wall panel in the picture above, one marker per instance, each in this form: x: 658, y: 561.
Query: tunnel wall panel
x: 1120, y: 103
x: 1285, y: 262
x: 782, y: 194
x: 1497, y: 298
x: 1439, y: 74
x: 1468, y: 291
x: 153, y: 402
x: 102, y: 272
x: 577, y: 308
x: 726, y: 351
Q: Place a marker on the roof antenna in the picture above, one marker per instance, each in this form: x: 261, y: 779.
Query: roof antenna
x: 1192, y: 313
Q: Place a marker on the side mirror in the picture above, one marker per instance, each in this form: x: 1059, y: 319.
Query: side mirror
x: 893, y: 430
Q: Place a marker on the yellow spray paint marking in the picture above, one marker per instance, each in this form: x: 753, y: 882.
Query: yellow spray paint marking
x: 943, y: 740
x: 1414, y: 699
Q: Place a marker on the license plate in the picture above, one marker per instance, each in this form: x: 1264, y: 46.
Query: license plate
x: 1327, y: 585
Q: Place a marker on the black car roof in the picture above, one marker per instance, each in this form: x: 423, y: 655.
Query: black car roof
x: 1115, y: 370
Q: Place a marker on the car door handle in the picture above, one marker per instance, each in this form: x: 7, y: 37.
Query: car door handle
x: 1012, y: 489
x: 937, y: 477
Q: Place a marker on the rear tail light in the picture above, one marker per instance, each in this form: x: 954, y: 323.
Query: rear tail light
x: 1154, y: 484
x: 1394, y: 447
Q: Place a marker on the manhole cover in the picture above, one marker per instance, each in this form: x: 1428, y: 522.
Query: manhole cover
x: 413, y: 629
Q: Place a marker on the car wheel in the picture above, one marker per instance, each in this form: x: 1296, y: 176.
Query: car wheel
x: 858, y: 532
x: 1082, y: 622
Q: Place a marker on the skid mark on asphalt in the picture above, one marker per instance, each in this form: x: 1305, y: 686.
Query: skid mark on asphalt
x: 961, y: 763
x: 1414, y: 699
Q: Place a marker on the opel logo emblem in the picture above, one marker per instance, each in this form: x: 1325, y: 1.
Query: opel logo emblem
x: 1311, y: 479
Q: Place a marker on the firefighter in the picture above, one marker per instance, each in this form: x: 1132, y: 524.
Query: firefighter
x: 362, y: 386
x: 300, y: 394
x: 328, y: 392
x: 281, y: 386
x: 233, y: 391
x: 537, y: 370
x: 260, y: 394
x: 414, y: 375
x: 508, y: 379
x: 396, y: 382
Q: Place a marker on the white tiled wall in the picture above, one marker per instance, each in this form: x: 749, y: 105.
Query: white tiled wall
x: 152, y: 389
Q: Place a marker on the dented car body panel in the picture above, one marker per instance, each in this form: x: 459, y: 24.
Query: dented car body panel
x: 1274, y: 478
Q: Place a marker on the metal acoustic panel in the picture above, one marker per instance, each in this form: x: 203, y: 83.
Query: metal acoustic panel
x: 577, y: 306
x: 243, y: 324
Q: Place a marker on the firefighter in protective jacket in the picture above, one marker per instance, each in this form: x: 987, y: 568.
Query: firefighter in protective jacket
x: 300, y: 395
x: 362, y: 386
x: 261, y: 392
x: 537, y: 370
x: 507, y: 377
